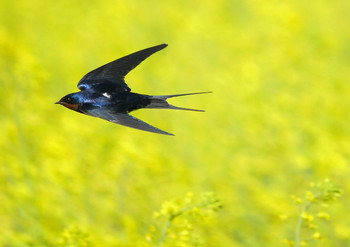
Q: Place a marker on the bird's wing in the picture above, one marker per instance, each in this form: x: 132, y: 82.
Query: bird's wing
x: 124, y: 119
x: 110, y: 77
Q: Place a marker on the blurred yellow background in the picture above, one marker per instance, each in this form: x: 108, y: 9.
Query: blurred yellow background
x: 278, y: 118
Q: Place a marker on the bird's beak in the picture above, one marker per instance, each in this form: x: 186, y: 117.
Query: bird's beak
x: 58, y: 102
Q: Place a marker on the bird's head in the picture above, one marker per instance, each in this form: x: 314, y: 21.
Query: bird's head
x: 71, y: 101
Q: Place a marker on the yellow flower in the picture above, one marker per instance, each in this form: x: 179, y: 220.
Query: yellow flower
x: 156, y: 215
x: 310, y: 196
x: 297, y: 200
x: 149, y: 237
x: 290, y: 243
x: 283, y: 217
x: 317, y: 235
x: 323, y: 215
x: 307, y: 217
x: 169, y: 208
x: 303, y: 243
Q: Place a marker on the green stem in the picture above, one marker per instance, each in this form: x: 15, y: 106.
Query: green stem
x: 164, y: 231
x: 298, y: 230
x: 300, y: 224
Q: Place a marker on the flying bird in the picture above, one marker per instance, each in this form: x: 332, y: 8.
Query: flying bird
x: 104, y: 93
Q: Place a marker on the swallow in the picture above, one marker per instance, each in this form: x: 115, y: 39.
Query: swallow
x: 104, y: 94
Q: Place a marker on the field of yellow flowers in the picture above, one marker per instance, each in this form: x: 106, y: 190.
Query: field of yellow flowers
x: 267, y: 164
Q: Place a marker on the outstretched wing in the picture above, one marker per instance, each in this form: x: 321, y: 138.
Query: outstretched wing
x: 124, y: 119
x: 110, y: 77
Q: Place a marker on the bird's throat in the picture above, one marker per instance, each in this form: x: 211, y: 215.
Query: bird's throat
x: 73, y: 107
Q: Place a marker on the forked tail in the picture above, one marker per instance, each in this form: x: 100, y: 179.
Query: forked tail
x: 160, y: 102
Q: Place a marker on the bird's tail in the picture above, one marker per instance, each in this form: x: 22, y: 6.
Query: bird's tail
x: 160, y: 102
